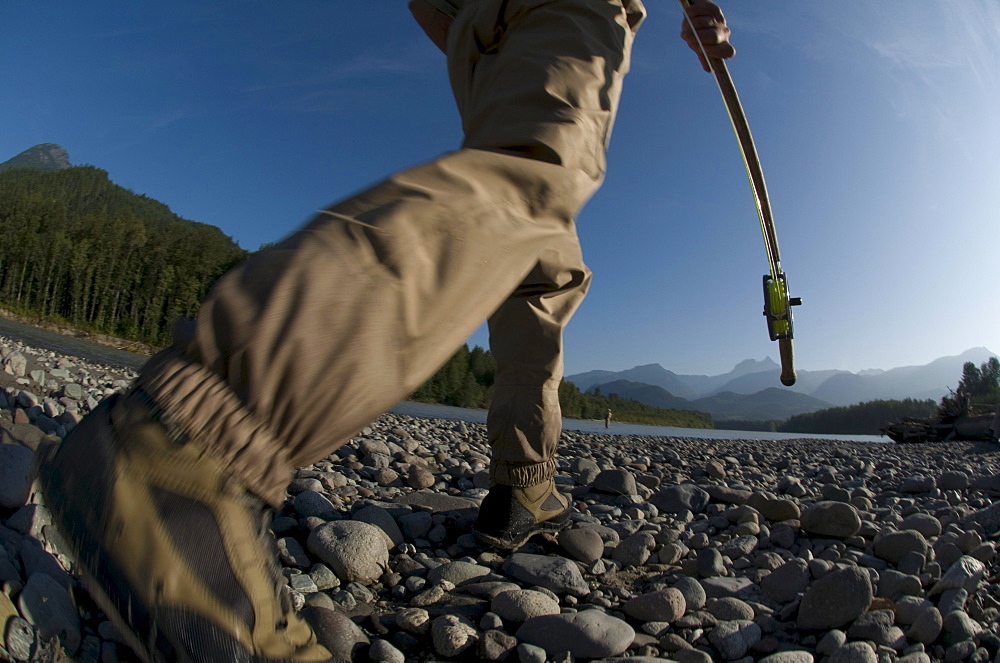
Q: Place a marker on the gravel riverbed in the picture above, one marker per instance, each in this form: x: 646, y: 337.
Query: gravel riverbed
x: 680, y: 549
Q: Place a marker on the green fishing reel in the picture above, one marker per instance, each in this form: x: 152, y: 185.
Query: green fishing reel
x: 778, y: 313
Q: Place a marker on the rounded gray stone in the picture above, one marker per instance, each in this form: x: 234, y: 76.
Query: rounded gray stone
x: 693, y: 592
x: 452, y: 635
x: 836, y: 599
x: 48, y: 607
x: 665, y: 605
x: 615, y: 481
x: 775, y: 509
x: 894, y: 545
x: 291, y: 553
x: 583, y: 544
x: 495, y: 645
x: 554, y: 573
x: 791, y: 656
x: 925, y: 523
x: 18, y: 638
x: 787, y: 581
x: 355, y: 551
x: 416, y: 525
x: 833, y: 519
x: 585, y: 634
x: 521, y: 605
x: 635, y: 549
x: 382, y: 651
x: 963, y: 574
x: 381, y: 518
x: 734, y: 638
x: 854, y: 652
x: 927, y: 625
x: 681, y: 497
x: 16, y: 463
x: 952, y: 480
x: 959, y: 626
x: 310, y: 503
x: 709, y: 563
x: 457, y: 572
x: 729, y: 608
x: 335, y: 631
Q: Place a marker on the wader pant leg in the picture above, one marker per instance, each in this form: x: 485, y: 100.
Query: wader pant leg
x: 302, y: 345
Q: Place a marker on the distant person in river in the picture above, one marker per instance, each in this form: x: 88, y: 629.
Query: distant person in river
x: 166, y: 492
x: 607, y: 419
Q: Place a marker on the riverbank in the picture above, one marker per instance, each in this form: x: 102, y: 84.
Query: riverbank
x: 38, y: 322
x: 681, y: 549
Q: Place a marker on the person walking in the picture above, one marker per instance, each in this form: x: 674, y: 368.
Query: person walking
x: 165, y: 492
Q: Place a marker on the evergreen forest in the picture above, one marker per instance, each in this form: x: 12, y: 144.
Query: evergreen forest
x: 862, y: 419
x: 76, y: 248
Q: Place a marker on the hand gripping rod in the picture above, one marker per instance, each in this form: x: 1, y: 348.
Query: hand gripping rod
x: 777, y: 303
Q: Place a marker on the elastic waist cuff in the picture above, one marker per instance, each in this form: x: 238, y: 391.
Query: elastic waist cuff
x: 212, y: 416
x: 521, y: 475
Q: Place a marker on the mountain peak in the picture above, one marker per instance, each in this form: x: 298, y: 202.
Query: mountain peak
x: 764, y: 363
x: 44, y: 156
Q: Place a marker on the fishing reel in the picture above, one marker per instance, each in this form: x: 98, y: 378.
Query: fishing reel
x: 778, y: 313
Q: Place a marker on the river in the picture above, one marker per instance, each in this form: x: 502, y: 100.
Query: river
x: 84, y: 349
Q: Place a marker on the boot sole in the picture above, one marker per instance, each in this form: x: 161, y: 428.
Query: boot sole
x: 556, y: 524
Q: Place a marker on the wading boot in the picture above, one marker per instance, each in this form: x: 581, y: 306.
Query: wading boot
x: 172, y: 547
x: 510, y: 515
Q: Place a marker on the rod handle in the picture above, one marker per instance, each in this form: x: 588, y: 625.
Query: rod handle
x: 787, y: 363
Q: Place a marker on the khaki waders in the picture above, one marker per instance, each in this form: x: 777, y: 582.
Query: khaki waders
x: 301, y: 346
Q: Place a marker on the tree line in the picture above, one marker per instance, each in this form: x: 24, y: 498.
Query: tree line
x: 861, y: 419
x: 466, y: 380
x: 78, y: 249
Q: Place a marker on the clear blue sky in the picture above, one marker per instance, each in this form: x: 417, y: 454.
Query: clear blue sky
x: 877, y: 125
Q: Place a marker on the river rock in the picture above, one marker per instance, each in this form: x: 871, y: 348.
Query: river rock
x: 582, y: 543
x: 355, y: 551
x: 734, y: 639
x: 555, y: 573
x: 16, y: 463
x: 523, y: 604
x: 835, y: 599
x: 585, y: 634
x: 893, y: 546
x: 615, y: 481
x: 48, y: 607
x: 665, y: 605
x: 834, y: 519
x: 682, y: 497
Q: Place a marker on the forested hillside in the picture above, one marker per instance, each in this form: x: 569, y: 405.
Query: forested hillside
x: 861, y: 419
x: 78, y: 248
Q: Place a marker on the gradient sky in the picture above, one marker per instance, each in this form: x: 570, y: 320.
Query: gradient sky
x: 877, y: 125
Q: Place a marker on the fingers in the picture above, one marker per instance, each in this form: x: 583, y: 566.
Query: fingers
x: 710, y: 30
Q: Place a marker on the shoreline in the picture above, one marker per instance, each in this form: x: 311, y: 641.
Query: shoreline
x: 678, y: 549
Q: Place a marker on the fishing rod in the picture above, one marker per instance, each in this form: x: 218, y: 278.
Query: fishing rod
x: 777, y: 302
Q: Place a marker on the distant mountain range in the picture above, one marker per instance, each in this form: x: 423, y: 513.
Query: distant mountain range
x: 46, y: 156
x: 750, y: 390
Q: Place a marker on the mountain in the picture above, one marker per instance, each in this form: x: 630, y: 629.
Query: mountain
x: 46, y: 156
x: 751, y: 386
x: 928, y: 381
x: 649, y: 394
x: 653, y: 374
x: 767, y: 404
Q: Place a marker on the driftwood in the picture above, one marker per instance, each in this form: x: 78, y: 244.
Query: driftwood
x: 956, y: 419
